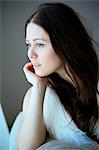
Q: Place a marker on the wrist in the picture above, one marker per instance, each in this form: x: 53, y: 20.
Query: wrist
x: 42, y: 83
x: 39, y: 88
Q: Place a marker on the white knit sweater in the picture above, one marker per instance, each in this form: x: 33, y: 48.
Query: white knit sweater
x: 59, y: 123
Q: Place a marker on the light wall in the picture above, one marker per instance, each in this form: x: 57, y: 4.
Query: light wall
x: 14, y: 15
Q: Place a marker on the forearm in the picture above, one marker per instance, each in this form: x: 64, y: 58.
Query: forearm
x: 32, y: 133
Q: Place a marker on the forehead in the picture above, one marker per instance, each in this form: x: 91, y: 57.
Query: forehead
x: 35, y: 31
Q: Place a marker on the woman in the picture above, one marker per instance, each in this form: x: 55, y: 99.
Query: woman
x: 63, y: 71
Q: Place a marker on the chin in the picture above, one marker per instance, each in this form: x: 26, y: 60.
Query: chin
x: 42, y: 75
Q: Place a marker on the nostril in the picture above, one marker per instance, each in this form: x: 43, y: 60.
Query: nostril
x: 33, y: 56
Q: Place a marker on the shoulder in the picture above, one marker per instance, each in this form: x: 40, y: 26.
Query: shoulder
x: 51, y: 98
x: 51, y: 94
x: 26, y: 100
x: 51, y: 101
x: 52, y: 107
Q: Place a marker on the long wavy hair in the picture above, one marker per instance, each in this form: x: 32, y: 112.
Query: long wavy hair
x: 74, y: 46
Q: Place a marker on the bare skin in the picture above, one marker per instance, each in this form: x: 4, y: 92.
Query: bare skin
x: 33, y: 130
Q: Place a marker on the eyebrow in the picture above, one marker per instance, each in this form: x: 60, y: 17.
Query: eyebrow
x: 36, y: 39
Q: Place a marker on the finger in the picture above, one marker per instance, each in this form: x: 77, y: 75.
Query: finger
x: 28, y: 69
x: 28, y: 66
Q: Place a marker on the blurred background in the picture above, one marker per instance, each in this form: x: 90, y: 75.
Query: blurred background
x: 13, y: 52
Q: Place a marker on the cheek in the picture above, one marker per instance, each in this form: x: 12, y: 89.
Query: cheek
x: 52, y: 61
x: 50, y: 64
x: 53, y: 58
x: 48, y: 58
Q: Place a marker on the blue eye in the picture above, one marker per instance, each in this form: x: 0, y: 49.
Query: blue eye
x: 40, y: 45
x: 28, y: 45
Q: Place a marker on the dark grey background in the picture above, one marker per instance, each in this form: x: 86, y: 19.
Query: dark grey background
x: 13, y: 15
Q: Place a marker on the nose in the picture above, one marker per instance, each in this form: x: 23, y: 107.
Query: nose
x: 31, y: 53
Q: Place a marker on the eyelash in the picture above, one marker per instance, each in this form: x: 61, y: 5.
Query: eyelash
x: 40, y: 45
x: 28, y: 45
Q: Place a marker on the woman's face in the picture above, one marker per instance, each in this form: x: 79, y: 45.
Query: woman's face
x: 40, y: 51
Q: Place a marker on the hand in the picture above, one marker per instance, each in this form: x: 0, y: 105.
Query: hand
x: 31, y: 76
